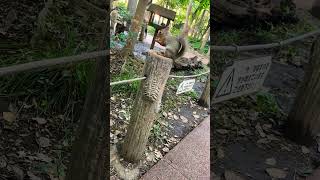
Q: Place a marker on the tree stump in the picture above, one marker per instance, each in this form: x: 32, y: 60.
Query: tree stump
x: 205, y: 96
x: 304, y: 118
x: 146, y: 106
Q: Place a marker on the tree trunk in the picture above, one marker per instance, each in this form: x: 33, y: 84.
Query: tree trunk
x: 135, y: 27
x: 193, y: 21
x: 304, y: 118
x: 146, y: 106
x: 198, y: 25
x: 90, y: 147
x: 132, y: 5
x: 201, y: 35
x: 186, y: 25
x: 205, y: 39
x: 205, y: 96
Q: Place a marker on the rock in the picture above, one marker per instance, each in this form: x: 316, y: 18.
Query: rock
x: 305, y: 150
x: 44, y: 142
x: 230, y: 175
x: 271, y: 161
x: 187, y: 63
x: 276, y: 173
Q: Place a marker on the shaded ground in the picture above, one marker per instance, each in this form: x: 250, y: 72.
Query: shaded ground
x: 248, y: 139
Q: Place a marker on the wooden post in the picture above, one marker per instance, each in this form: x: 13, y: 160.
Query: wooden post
x: 304, y: 118
x: 142, y: 31
x: 154, y: 38
x: 90, y: 146
x: 146, y: 106
x: 205, y: 96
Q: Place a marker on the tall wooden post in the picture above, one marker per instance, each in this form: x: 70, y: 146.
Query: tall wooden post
x: 154, y: 38
x: 304, y: 118
x: 90, y: 147
x: 205, y: 96
x: 146, y: 106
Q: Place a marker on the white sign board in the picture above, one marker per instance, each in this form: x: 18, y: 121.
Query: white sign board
x: 186, y: 86
x: 243, y: 77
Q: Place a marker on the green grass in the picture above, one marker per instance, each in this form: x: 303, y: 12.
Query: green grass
x: 129, y: 72
x: 196, y: 44
x: 55, y: 88
x: 266, y: 103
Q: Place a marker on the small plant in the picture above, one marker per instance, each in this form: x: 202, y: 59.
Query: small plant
x: 267, y: 103
x: 194, y: 96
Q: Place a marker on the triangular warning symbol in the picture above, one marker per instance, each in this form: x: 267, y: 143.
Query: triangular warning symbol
x: 226, y: 87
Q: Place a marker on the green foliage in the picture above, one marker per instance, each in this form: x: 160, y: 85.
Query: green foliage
x: 119, y: 38
x: 55, y: 88
x: 151, y: 30
x: 129, y: 72
x: 196, y: 44
x: 192, y: 94
x: 267, y: 103
x: 123, y: 12
x: 156, y: 132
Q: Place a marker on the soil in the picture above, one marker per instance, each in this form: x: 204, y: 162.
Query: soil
x: 245, y: 138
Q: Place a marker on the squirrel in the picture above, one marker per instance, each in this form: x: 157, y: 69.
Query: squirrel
x: 175, y: 46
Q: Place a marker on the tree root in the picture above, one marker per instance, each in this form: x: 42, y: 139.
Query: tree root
x: 122, y: 172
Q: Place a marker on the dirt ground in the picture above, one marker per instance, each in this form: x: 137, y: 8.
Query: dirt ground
x: 249, y: 143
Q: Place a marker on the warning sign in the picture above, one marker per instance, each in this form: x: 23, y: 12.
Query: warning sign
x: 243, y: 77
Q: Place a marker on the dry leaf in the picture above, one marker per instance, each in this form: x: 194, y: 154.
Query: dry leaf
x: 18, y: 172
x: 260, y: 131
x: 230, y: 175
x: 40, y: 120
x: 271, y: 161
x: 32, y: 176
x: 276, y: 173
x: 184, y: 119
x: 165, y: 149
x: 3, y: 162
x: 43, y: 157
x: 44, y: 142
x: 222, y: 131
x: 9, y: 116
x: 305, y: 150
x: 196, y: 116
x: 220, y: 153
